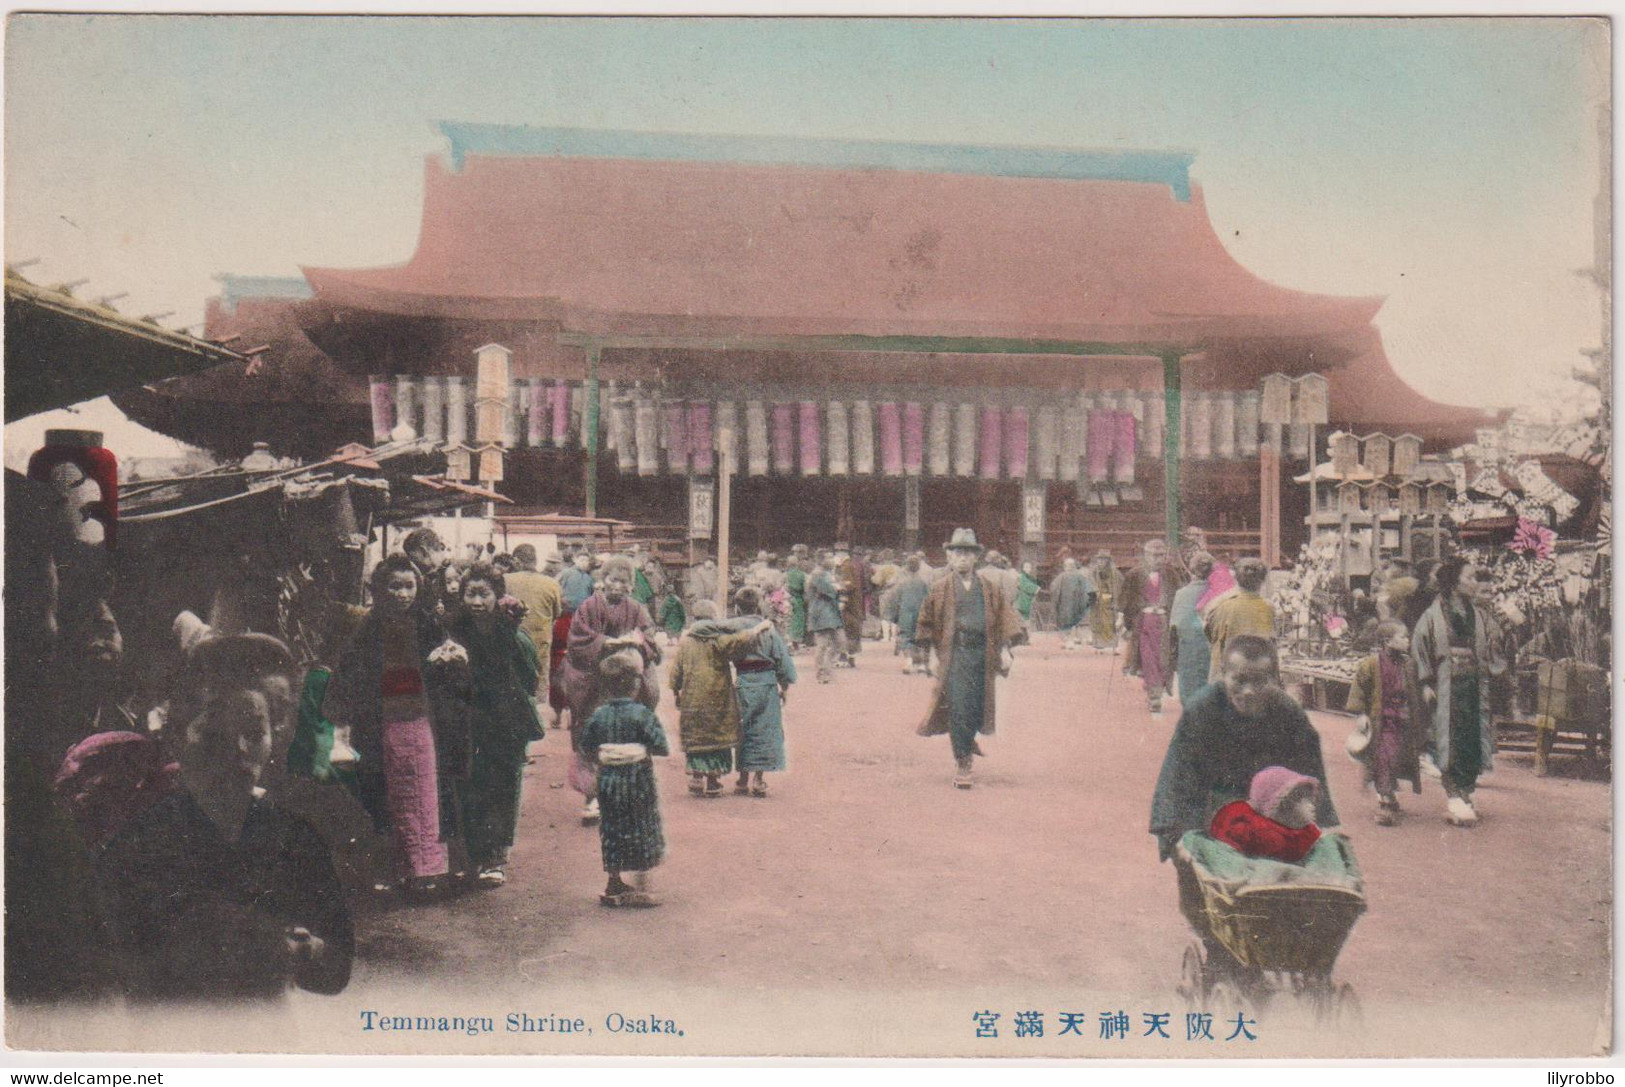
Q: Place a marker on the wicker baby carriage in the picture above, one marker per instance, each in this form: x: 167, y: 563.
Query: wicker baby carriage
x: 1267, y: 929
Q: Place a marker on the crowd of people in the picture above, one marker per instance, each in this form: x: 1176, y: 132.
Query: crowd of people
x: 172, y: 843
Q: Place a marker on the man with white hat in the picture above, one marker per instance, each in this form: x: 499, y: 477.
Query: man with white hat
x: 971, y: 621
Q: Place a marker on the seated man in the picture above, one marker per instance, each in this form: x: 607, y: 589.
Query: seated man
x: 1230, y: 731
x: 213, y: 891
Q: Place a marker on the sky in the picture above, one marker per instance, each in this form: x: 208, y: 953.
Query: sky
x: 1449, y: 165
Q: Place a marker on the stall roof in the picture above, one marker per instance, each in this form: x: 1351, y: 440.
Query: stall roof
x: 61, y: 350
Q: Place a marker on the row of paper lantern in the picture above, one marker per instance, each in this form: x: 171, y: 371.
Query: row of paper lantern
x: 1096, y: 437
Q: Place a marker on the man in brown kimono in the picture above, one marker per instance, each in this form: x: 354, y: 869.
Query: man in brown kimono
x: 1148, y: 595
x: 971, y: 621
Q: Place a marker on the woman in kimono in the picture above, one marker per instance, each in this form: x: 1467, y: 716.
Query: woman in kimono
x: 707, y: 706
x: 1456, y: 648
x: 765, y: 672
x: 609, y: 615
x: 503, y: 666
x: 383, y: 690
x: 911, y: 590
x: 1026, y: 592
x: 1108, y: 587
x: 795, y: 582
x: 1191, y: 652
x: 620, y: 738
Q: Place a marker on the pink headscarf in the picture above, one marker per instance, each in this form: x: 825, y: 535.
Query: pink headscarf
x: 109, y: 778
x: 1271, y: 787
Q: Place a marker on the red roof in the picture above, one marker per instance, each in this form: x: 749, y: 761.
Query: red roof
x: 728, y: 249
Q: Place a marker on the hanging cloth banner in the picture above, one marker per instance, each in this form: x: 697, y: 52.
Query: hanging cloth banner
x: 863, y: 438
x: 784, y: 439
x: 1102, y: 435
x: 1247, y: 409
x: 1153, y: 420
x: 939, y: 441
x: 891, y: 438
x: 404, y: 404
x: 1298, y: 438
x: 1201, y: 406
x: 578, y: 414
x: 434, y: 409
x: 992, y: 442
x: 965, y: 440
x: 1016, y: 436
x: 1074, y: 429
x: 608, y: 421
x: 728, y: 423
x: 1124, y: 448
x: 756, y: 447
x: 811, y: 446
x: 699, y: 436
x: 676, y: 433
x: 456, y: 411
x: 1275, y: 403
x: 383, y: 407
x: 1224, y: 424
x: 622, y: 424
x: 513, y: 418
x: 647, y: 423
x: 840, y: 440
x: 558, y: 411
x: 1046, y: 441
x: 913, y: 438
x: 535, y: 413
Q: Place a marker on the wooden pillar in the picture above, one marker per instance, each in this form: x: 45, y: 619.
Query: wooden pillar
x: 590, y: 427
x: 1269, y: 504
x: 1171, y: 448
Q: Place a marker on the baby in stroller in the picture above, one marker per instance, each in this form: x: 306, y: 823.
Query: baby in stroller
x: 1276, y: 821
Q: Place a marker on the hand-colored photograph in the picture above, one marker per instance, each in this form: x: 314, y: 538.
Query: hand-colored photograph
x: 782, y: 537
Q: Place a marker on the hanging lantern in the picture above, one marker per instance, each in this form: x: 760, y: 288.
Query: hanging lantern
x: 840, y: 439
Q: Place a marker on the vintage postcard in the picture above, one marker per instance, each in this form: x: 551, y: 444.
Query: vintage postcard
x: 836, y: 537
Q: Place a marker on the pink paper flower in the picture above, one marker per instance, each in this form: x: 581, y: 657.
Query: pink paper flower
x: 1533, y: 539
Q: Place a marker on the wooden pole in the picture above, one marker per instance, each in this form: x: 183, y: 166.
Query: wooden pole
x: 1269, y: 504
x: 1171, y: 448
x: 725, y: 478
x: 590, y: 426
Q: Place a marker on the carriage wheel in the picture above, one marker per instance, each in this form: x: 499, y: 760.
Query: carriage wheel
x: 1193, y: 979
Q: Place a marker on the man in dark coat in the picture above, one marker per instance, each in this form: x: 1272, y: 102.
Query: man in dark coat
x: 1147, y: 598
x: 971, y: 621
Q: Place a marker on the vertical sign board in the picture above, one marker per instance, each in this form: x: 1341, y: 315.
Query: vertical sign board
x: 702, y: 495
x: 1032, y: 513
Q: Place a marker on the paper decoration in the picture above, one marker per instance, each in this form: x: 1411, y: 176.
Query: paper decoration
x: 1311, y: 403
x: 1015, y: 442
x: 992, y: 447
x: 811, y: 446
x: 913, y: 438
x: 965, y: 440
x: 383, y: 407
x: 840, y: 437
x: 756, y: 445
x: 940, y: 440
x: 434, y: 409
x: 1538, y: 485
x: 1046, y: 441
x: 1074, y: 442
x: 784, y: 439
x: 1275, y: 402
x: 891, y: 438
x: 1488, y: 481
x: 1247, y: 423
x: 457, y: 411
x: 1224, y: 425
x: 646, y: 421
x: 1124, y: 448
x: 700, y: 438
x: 863, y: 438
x: 674, y: 430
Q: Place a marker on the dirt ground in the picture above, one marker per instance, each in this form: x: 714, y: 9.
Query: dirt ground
x: 867, y: 907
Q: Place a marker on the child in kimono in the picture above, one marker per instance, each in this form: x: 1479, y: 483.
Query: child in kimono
x: 620, y: 737
x: 1388, y: 737
x: 1276, y: 821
